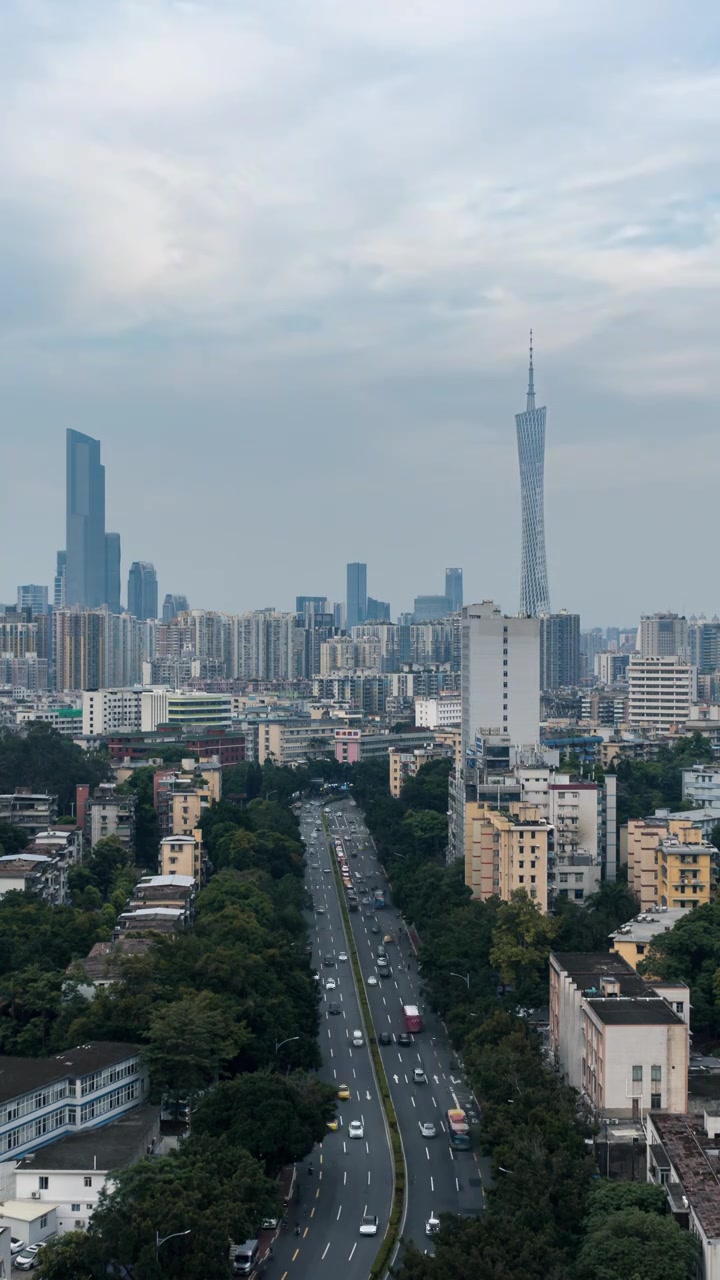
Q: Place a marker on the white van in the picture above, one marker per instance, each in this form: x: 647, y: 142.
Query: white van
x: 245, y: 1257
x: 357, y: 1040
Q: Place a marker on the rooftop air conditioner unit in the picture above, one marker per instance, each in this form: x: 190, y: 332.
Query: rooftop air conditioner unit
x: 35, y: 1195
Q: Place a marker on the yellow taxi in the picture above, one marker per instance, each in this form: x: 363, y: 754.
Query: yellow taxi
x: 343, y: 1093
x: 332, y: 1124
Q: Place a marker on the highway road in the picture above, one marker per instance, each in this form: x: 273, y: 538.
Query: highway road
x: 439, y: 1179
x: 350, y: 1176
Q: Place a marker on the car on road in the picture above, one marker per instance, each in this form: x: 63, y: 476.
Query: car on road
x: 385, y: 1037
x: 369, y: 1224
x: 316, y: 976
x: 320, y: 911
x: 29, y: 1258
x: 419, y: 1076
x: 328, y: 961
x: 432, y: 1226
x: 268, y: 1224
x: 355, y: 1129
x: 381, y: 953
x: 332, y: 1124
x: 330, y: 985
x: 388, y: 939
x: 326, y: 871
x: 404, y: 1039
x: 372, y: 980
x: 427, y: 1129
x: 343, y: 1092
x: 375, y: 929
x: 333, y: 1008
x: 342, y: 956
x: 367, y: 902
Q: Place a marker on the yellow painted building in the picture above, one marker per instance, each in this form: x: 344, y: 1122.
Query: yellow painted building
x: 660, y: 879
x: 505, y: 851
x: 182, y: 856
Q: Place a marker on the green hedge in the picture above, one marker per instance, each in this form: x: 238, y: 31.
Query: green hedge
x: 392, y: 1235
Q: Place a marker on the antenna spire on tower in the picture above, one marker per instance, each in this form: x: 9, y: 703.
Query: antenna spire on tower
x: 531, y: 379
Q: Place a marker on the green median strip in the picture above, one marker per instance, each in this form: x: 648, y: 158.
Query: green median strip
x: 392, y: 1236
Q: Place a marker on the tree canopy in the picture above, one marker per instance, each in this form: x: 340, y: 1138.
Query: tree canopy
x: 43, y: 760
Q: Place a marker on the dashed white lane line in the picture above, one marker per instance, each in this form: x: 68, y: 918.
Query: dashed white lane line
x: 327, y: 1246
x: 432, y: 1186
x: 340, y: 1211
x: 352, y: 1251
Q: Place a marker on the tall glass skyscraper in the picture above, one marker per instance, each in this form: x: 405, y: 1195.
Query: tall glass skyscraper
x: 534, y: 593
x: 85, y: 519
x: 356, y: 610
x: 142, y: 590
x: 454, y: 589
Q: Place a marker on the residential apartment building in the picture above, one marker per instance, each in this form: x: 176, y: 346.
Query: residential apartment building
x: 611, y: 668
x: 46, y: 1098
x: 405, y: 763
x: 670, y: 864
x: 41, y: 873
x: 64, y: 719
x: 701, y: 786
x: 33, y: 812
x: 506, y: 851
x: 682, y: 1157
x: 111, y: 711
x: 293, y: 741
x: 182, y: 856
x: 559, y: 650
x: 109, y: 812
x: 661, y: 691
x: 622, y: 1043
x: 443, y: 712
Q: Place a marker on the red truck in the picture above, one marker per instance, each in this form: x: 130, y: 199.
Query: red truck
x: 413, y: 1019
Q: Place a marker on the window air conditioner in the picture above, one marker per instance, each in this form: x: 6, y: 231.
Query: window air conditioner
x: 35, y: 1195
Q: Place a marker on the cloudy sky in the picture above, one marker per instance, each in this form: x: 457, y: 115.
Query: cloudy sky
x: 281, y: 257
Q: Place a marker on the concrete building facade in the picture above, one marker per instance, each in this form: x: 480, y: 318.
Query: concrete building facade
x: 661, y: 691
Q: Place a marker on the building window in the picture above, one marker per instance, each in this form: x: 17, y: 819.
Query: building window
x: 637, y: 1075
x: 656, y: 1074
x: 679, y: 1006
x: 43, y: 1221
x: 655, y: 1101
x: 43, y: 1183
x: 74, y: 1208
x: 87, y: 1182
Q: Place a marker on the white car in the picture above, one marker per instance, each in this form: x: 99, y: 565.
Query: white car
x: 355, y: 1129
x: 342, y: 956
x: 432, y: 1226
x: 330, y: 984
x: 419, y: 1076
x: 16, y: 1246
x: 428, y: 1130
x: 28, y: 1259
x: 369, y: 1224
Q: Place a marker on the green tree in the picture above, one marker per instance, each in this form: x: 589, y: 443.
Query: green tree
x: 43, y: 760
x: 110, y: 866
x: 277, y: 1120
x: 690, y: 952
x: 521, y: 944
x: 147, y: 835
x: 73, y: 1256
x: 632, y: 1244
x: 190, y: 1041
x: 429, y: 831
x: 12, y: 839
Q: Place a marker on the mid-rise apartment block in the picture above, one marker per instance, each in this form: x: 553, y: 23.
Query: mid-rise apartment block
x: 621, y: 1042
x: 633, y: 939
x: 670, y: 864
x: 661, y: 691
x: 406, y: 762
x: 701, y: 786
x: 33, y: 812
x: 185, y: 709
x: 109, y: 812
x: 182, y: 856
x: 111, y: 711
x: 559, y: 650
x: 443, y: 712
x: 506, y: 851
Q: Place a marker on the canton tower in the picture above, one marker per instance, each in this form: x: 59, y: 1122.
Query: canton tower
x: 534, y: 594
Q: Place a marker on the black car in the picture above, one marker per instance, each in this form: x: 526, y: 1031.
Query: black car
x: 375, y: 929
x: 404, y: 1039
x: 329, y: 961
x: 334, y: 1008
x: 384, y: 1038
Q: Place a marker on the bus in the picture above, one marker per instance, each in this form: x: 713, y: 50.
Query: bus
x: 413, y: 1018
x: 458, y: 1129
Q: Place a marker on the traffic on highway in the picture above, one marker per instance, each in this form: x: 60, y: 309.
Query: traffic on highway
x: 345, y: 1188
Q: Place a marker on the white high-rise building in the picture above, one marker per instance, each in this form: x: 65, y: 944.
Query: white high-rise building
x: 500, y: 695
x: 110, y: 711
x: 500, y: 676
x: 661, y: 691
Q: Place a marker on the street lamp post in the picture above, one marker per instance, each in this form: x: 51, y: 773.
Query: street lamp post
x: 173, y: 1235
x: 464, y: 977
x: 279, y: 1043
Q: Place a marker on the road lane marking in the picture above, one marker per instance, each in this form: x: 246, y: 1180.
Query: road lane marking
x: 427, y: 1152
x: 312, y: 1212
x: 349, y: 1259
x: 305, y: 1232
x: 327, y: 1246
x: 432, y: 1184
x: 338, y: 1214
x: 295, y: 1255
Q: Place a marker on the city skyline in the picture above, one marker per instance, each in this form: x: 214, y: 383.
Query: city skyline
x: 352, y: 332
